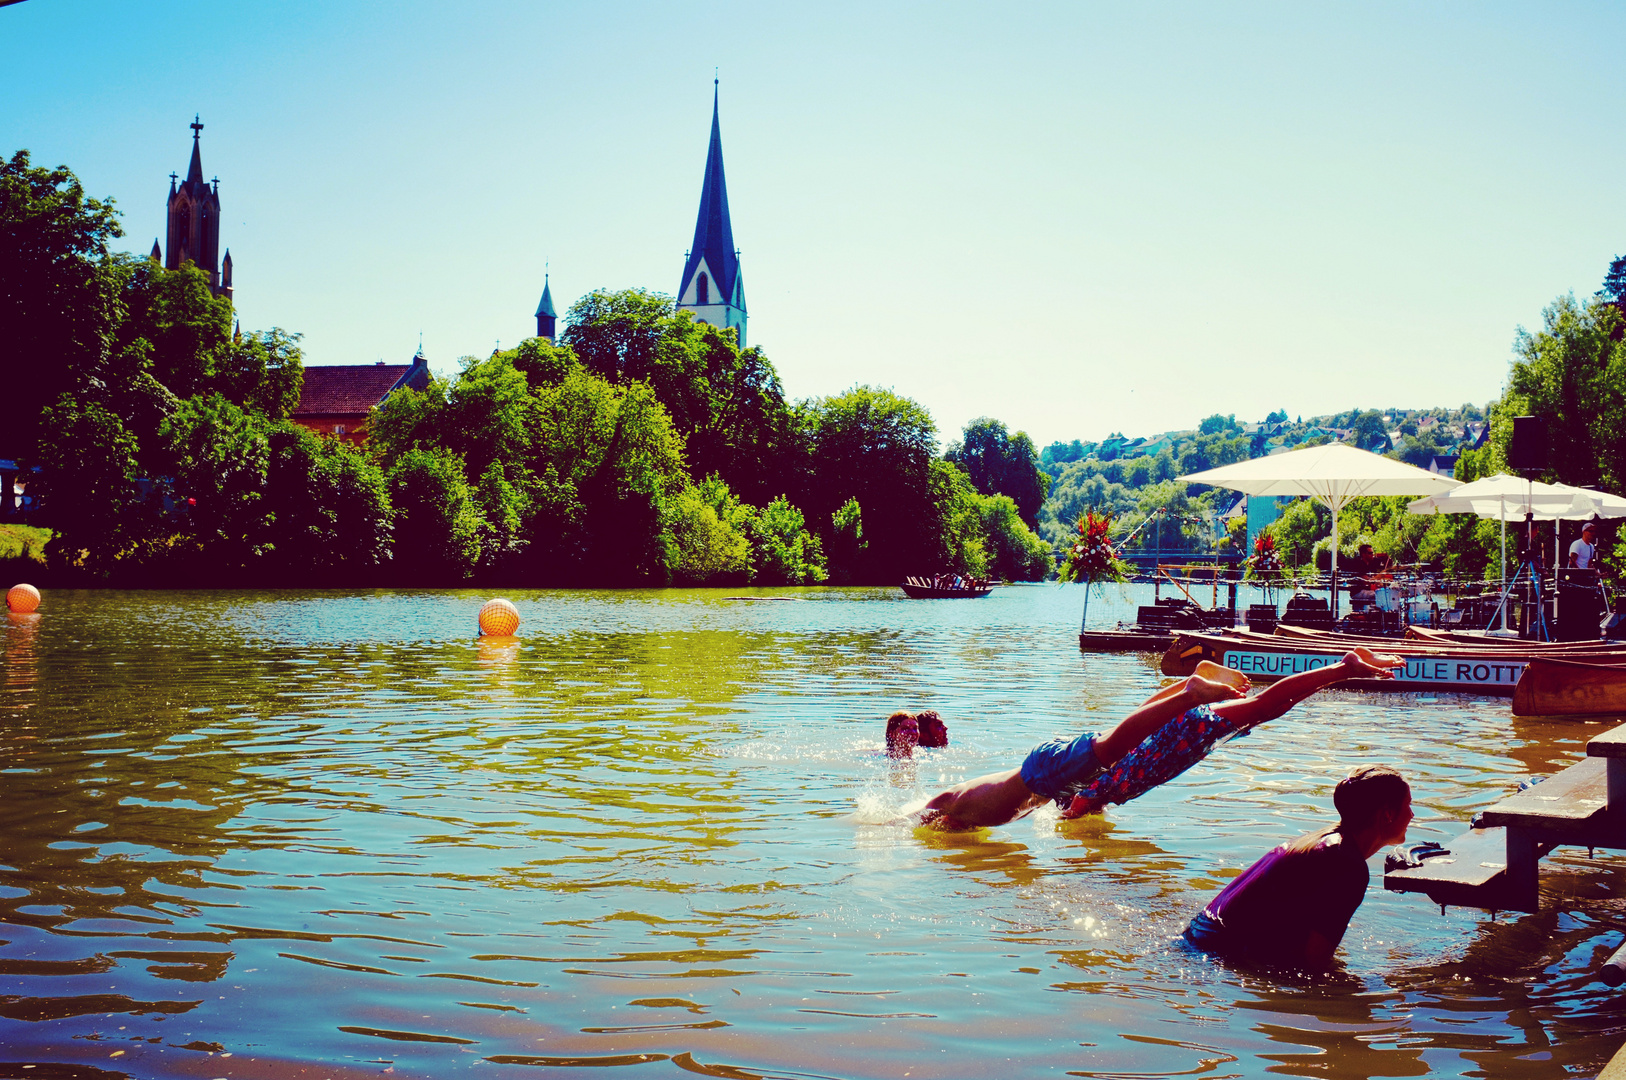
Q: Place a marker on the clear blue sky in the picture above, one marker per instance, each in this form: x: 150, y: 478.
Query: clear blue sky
x: 1078, y: 218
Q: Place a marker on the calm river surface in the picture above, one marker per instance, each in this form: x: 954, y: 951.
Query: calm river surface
x: 333, y: 835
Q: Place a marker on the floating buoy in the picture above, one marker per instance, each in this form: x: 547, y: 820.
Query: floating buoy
x: 25, y: 598
x: 498, y: 618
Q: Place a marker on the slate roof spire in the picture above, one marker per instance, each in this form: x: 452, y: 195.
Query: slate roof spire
x: 545, y: 318
x: 546, y: 306
x: 713, y: 232
x: 194, y: 173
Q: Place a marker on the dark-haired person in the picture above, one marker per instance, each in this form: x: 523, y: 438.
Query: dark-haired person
x: 1058, y: 770
x: 1291, y: 908
x: 933, y: 732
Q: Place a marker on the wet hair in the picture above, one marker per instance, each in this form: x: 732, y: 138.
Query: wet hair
x: 933, y: 732
x: 1360, y: 798
x: 1366, y: 793
x: 902, y: 733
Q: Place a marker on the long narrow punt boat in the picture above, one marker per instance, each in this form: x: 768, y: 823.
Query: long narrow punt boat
x: 1555, y: 687
x: 1453, y: 668
x: 1417, y: 637
x: 1459, y: 637
x: 920, y: 589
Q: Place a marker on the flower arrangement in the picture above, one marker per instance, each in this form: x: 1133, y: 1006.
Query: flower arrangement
x: 1264, y: 564
x: 1092, y: 557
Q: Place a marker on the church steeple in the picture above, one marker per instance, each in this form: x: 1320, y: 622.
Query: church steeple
x: 194, y: 172
x: 712, y: 287
x: 194, y: 220
x: 545, y: 318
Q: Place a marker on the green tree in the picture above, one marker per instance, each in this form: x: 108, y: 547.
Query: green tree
x: 999, y: 463
x: 214, y: 460
x: 1572, y: 374
x: 958, y: 545
x: 1614, y: 281
x: 1367, y: 431
x: 329, y: 517
x: 59, y: 292
x: 847, y: 542
x: 87, y: 487
x: 264, y: 371
x: 872, y: 445
x: 437, y: 525
x: 725, y: 401
x: 1015, y: 552
x: 709, y: 530
x: 783, y: 551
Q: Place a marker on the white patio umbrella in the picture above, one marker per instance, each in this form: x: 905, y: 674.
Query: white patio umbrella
x: 1500, y: 495
x: 1494, y: 496
x: 1331, y: 475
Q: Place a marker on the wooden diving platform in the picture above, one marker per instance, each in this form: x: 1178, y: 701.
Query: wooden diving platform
x: 1496, y: 864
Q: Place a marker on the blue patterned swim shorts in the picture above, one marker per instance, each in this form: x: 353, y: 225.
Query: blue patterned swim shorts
x: 1059, y: 768
x: 1165, y: 754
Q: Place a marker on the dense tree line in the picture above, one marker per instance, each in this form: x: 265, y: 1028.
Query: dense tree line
x: 642, y: 448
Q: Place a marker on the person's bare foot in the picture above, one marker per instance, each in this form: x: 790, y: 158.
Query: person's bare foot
x: 1208, y: 691
x: 1365, y: 663
x: 1213, y: 672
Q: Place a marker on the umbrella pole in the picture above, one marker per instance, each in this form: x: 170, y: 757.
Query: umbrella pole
x: 1503, y: 503
x: 1335, y: 567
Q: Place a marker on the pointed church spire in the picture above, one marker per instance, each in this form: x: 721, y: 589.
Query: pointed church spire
x: 545, y: 317
x: 157, y: 255
x: 194, y: 174
x: 711, y: 274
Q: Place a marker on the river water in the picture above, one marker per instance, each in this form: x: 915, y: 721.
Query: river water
x: 331, y: 834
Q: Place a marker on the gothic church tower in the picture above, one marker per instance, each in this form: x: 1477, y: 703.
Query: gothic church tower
x: 194, y: 223
x: 712, y: 287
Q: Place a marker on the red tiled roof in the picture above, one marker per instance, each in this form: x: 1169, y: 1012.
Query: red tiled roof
x: 346, y: 388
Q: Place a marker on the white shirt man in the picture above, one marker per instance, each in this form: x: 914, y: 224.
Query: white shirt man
x: 1584, y: 552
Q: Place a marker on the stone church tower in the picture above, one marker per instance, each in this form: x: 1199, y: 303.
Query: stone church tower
x: 712, y: 287
x: 194, y: 224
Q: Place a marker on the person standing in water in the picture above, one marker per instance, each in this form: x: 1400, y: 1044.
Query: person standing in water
x: 1291, y: 908
x: 1172, y: 731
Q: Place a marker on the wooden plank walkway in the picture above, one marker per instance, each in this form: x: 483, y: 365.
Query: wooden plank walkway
x: 1496, y: 864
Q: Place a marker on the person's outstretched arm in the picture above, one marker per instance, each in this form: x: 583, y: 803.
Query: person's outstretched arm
x: 1277, y: 698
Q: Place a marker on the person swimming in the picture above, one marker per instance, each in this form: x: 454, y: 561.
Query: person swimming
x: 1172, y: 731
x: 906, y: 730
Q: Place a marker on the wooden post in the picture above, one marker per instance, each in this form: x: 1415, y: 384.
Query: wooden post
x: 1523, y: 873
x: 1616, y: 780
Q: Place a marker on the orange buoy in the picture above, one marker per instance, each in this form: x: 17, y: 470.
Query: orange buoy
x: 25, y: 598
x: 499, y: 618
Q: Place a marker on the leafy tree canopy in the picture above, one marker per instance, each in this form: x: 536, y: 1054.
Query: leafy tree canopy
x: 58, y: 290
x: 999, y: 463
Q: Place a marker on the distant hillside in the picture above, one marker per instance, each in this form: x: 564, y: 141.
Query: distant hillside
x: 1133, y: 477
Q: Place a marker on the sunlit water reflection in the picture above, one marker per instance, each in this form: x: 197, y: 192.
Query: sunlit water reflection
x: 651, y: 833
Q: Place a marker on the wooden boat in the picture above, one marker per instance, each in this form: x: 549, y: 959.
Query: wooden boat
x: 1454, y: 667
x: 921, y: 589
x: 1556, y: 687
